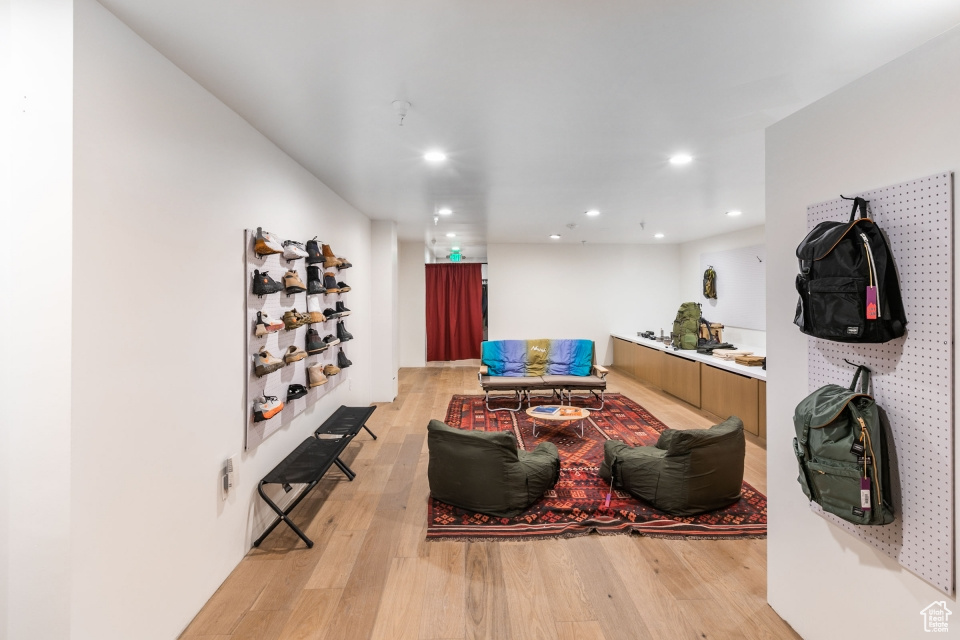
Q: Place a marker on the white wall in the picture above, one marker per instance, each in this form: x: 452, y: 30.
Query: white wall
x: 895, y: 124
x: 413, y: 304
x: 385, y: 327
x: 6, y: 142
x: 581, y: 291
x: 691, y: 277
x: 166, y: 179
x: 36, y: 380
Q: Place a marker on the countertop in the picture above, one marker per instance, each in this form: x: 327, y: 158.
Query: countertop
x: 729, y: 365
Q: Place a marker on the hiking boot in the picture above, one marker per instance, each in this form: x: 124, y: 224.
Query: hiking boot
x: 314, y: 314
x: 264, y: 363
x: 292, y: 283
x: 295, y: 391
x: 343, y: 286
x: 330, y: 282
x: 341, y: 309
x: 293, y: 354
x: 264, y: 244
x: 331, y: 370
x: 342, y: 333
x: 315, y: 376
x: 293, y: 250
x: 263, y: 284
x: 331, y: 314
x: 314, y: 344
x: 265, y: 324
x: 293, y: 319
x: 329, y: 260
x: 313, y: 252
x: 314, y: 281
x: 344, y: 264
x: 342, y: 360
x: 331, y: 340
x: 265, y: 407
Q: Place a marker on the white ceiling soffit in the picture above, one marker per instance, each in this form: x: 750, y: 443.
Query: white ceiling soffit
x: 545, y: 109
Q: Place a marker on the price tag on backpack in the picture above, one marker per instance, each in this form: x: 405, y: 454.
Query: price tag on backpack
x: 871, y: 303
x: 865, y: 494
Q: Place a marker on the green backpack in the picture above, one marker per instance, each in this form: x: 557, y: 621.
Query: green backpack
x: 686, y: 326
x: 842, y: 452
x: 710, y: 283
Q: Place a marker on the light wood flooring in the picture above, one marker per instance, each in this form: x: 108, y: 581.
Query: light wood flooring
x: 371, y: 573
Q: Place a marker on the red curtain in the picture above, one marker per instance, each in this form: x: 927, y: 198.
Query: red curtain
x: 454, y: 311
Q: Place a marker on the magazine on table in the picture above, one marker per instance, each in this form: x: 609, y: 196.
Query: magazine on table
x: 569, y: 411
x: 549, y: 411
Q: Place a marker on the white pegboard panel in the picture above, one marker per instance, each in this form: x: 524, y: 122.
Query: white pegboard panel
x: 912, y: 375
x: 741, y: 287
x: 276, y: 383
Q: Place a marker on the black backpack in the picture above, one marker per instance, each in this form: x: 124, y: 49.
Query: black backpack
x: 848, y: 282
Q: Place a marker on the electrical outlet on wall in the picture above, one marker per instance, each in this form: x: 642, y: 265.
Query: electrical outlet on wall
x: 228, y: 476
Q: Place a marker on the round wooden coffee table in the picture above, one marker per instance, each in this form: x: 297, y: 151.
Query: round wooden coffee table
x: 560, y: 415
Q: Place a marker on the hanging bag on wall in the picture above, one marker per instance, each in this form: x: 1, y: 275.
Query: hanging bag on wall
x: 710, y: 283
x: 842, y: 452
x: 686, y: 326
x: 848, y: 284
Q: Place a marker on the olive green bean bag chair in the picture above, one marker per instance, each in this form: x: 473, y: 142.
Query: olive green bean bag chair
x: 485, y: 472
x: 688, y: 471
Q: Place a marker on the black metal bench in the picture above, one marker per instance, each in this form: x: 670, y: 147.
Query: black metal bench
x: 310, y: 461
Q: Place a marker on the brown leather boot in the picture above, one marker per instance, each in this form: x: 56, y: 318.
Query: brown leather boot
x: 330, y: 260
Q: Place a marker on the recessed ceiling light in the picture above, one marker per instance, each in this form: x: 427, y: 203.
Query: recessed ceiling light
x: 454, y: 248
x: 435, y: 156
x: 681, y: 158
x: 445, y: 211
x: 554, y: 236
x: 734, y: 212
x: 593, y: 212
x: 451, y: 235
x: 658, y: 235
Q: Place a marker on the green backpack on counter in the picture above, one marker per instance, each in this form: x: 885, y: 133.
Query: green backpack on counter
x: 842, y: 452
x: 686, y: 327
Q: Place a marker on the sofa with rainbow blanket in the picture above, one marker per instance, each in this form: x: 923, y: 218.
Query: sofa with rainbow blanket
x: 522, y: 366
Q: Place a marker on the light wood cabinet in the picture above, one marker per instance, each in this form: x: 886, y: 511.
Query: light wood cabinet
x: 624, y: 356
x: 649, y: 365
x: 725, y: 394
x: 681, y: 378
x: 762, y: 406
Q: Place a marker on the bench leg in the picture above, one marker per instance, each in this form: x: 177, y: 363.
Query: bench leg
x: 283, y: 515
x: 595, y: 395
x: 347, y: 471
x: 370, y: 432
x: 519, y: 402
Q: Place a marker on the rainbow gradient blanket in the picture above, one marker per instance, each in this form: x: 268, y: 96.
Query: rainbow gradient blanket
x: 515, y: 358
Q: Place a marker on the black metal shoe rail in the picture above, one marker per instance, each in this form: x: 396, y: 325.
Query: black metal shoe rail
x: 310, y: 461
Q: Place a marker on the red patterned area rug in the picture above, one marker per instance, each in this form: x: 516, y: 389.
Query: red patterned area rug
x: 575, y: 506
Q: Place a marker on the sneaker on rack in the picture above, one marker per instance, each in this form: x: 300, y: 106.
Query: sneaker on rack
x: 295, y: 391
x: 293, y: 250
x: 265, y: 407
x: 342, y: 333
x: 292, y: 282
x: 293, y: 319
x: 343, y: 286
x: 315, y: 281
x: 265, y: 244
x: 341, y: 309
x: 342, y: 361
x: 331, y: 369
x: 314, y: 344
x: 263, y: 284
x: 331, y: 340
x: 293, y: 354
x: 331, y: 313
x: 344, y: 264
x: 265, y: 324
x: 314, y: 314
x: 264, y: 363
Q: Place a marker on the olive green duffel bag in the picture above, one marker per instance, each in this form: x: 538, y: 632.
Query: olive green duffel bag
x: 842, y: 452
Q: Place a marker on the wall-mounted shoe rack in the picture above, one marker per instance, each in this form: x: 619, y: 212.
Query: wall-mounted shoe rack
x: 276, y: 304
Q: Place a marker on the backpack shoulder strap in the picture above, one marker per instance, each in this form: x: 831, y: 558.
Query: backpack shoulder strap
x: 864, y: 382
x: 861, y: 205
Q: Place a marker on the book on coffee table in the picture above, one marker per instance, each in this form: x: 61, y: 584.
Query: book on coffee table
x: 569, y: 411
x: 545, y: 410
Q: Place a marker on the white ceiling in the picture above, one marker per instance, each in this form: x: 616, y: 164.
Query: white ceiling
x: 546, y: 108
